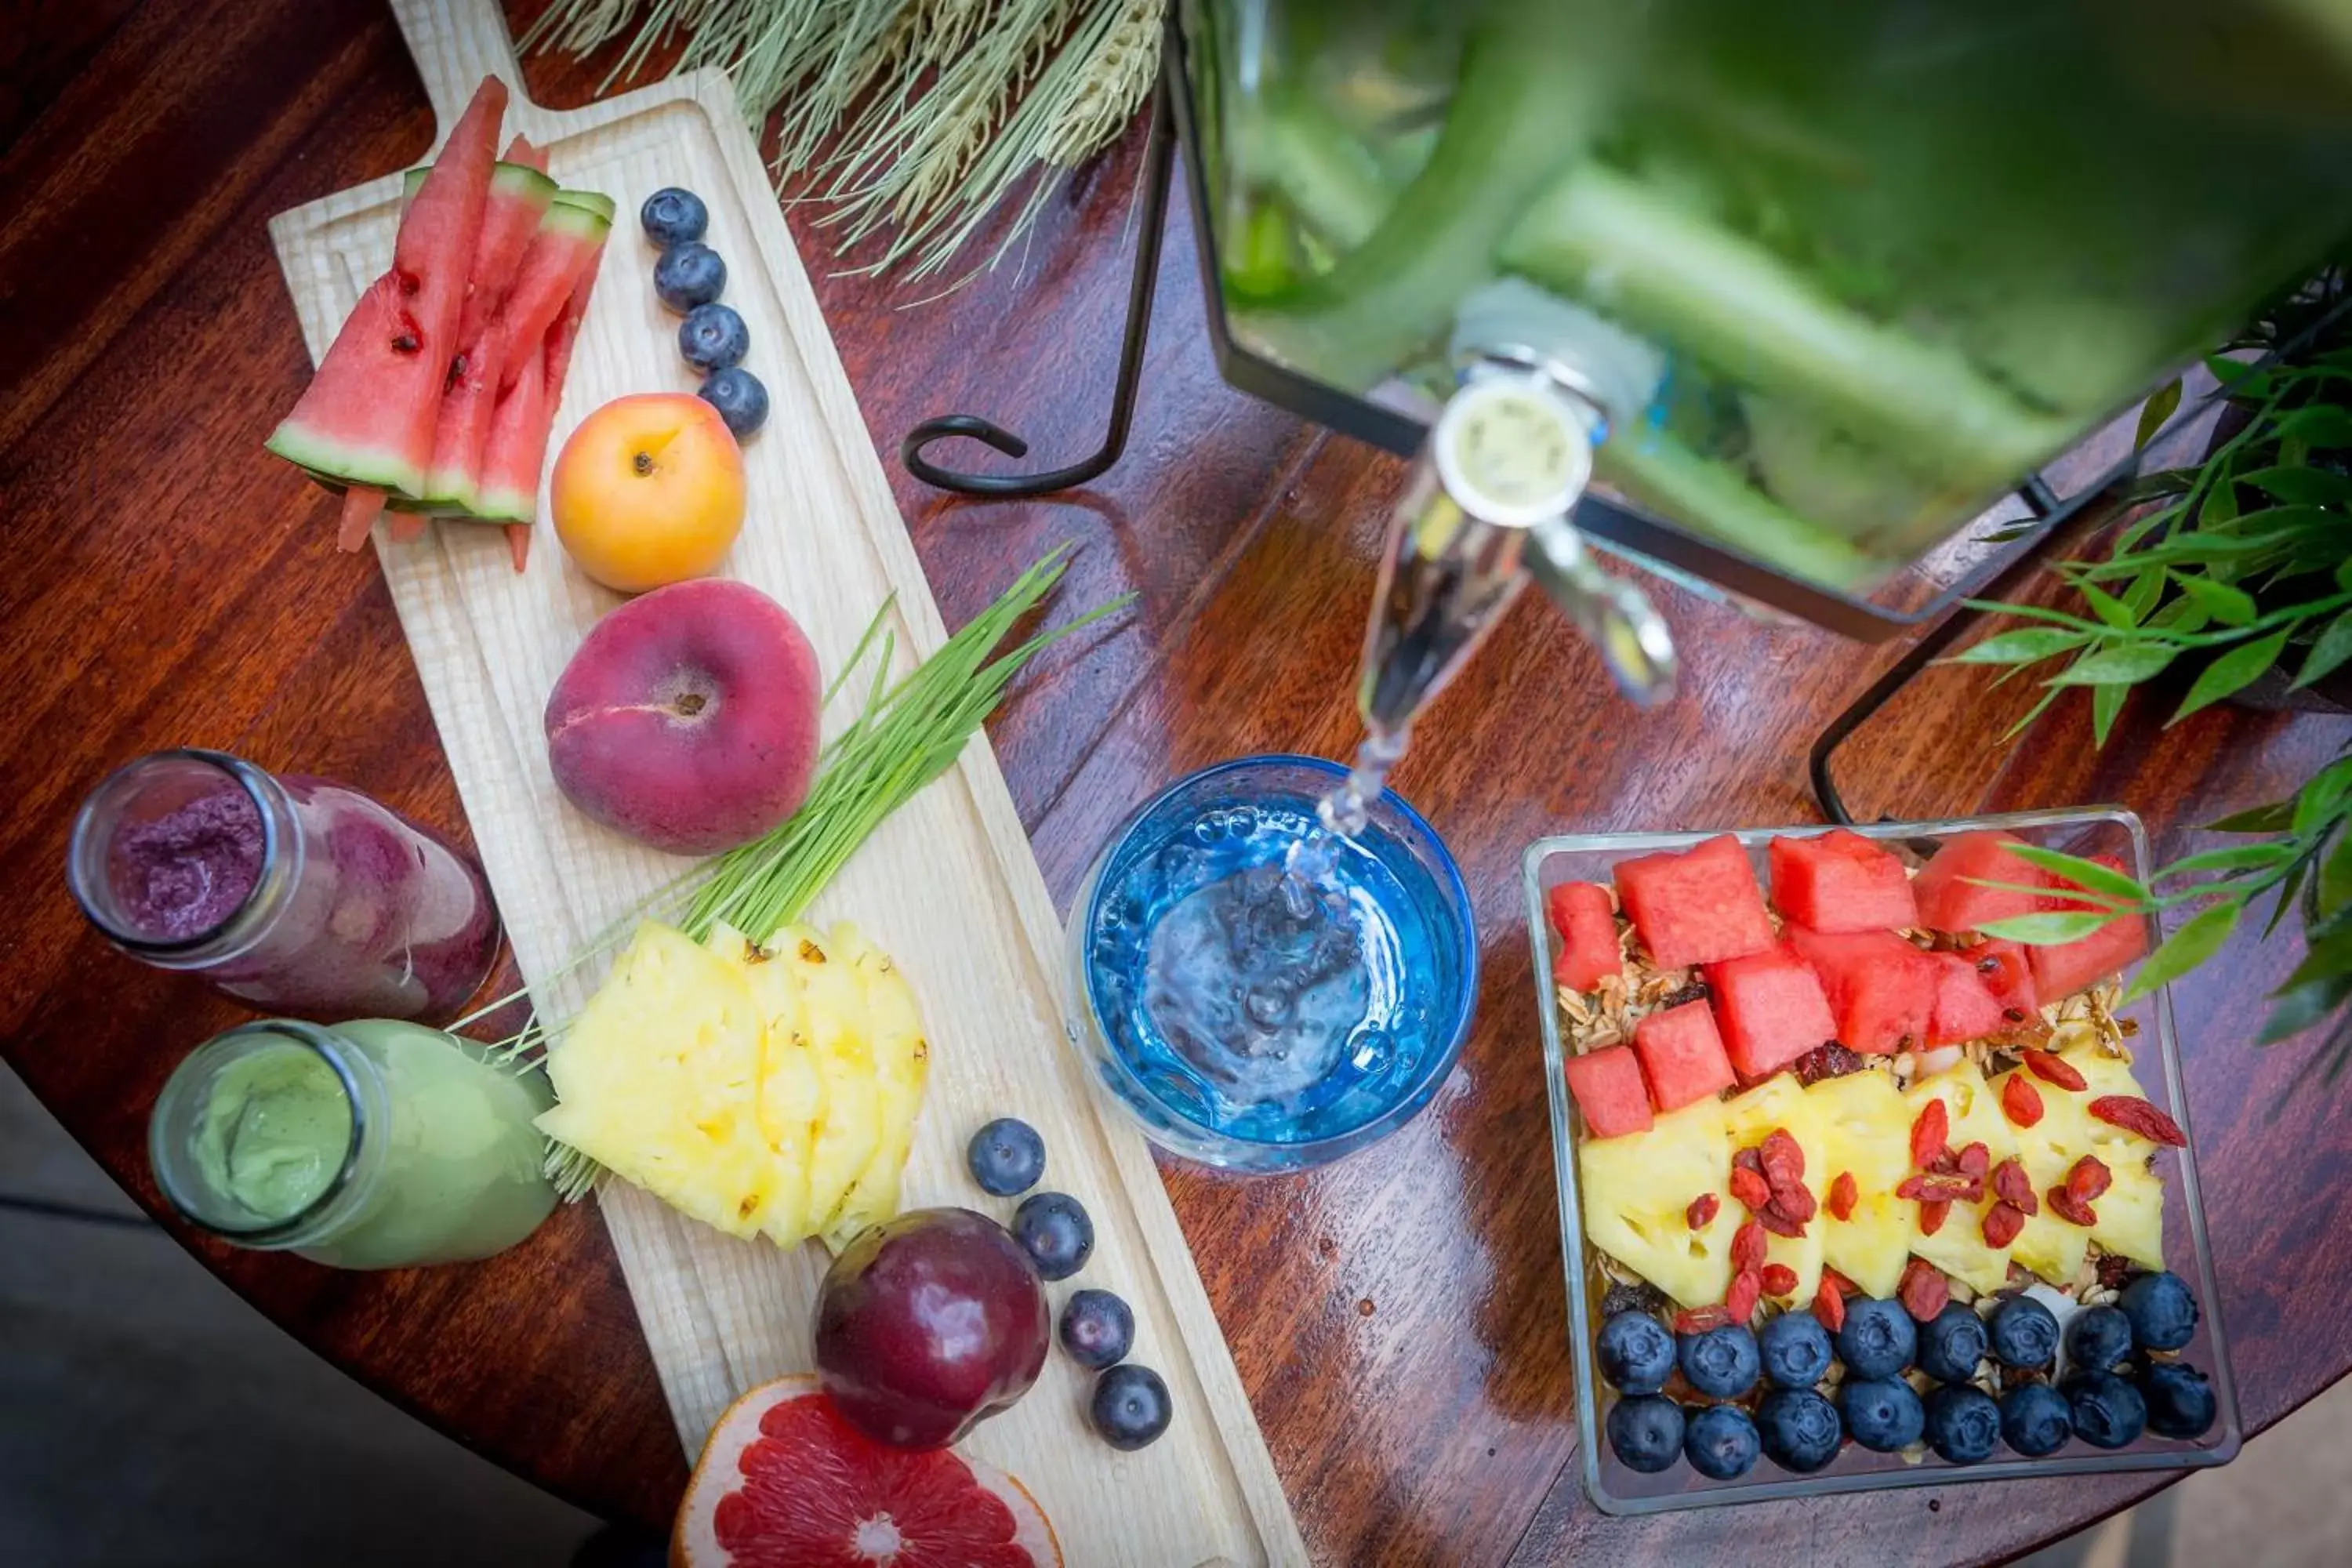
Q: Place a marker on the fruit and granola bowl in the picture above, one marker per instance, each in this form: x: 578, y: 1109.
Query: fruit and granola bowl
x: 1852, y: 1195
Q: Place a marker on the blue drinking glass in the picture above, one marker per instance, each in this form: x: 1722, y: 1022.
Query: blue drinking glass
x: 1393, y: 1031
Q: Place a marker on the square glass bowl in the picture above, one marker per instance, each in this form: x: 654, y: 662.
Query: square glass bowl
x: 1617, y: 1489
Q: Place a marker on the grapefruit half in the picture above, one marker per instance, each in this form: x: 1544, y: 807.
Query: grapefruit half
x: 784, y: 1482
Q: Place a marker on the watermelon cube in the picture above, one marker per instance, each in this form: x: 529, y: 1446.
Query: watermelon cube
x: 1880, y: 987
x: 1682, y: 1056
x: 1949, y: 899
x: 1770, y: 1009
x: 1607, y: 1087
x: 2062, y: 970
x: 1965, y: 1006
x: 1587, y: 924
x: 1702, y: 906
x: 1840, y: 881
x: 2007, y: 970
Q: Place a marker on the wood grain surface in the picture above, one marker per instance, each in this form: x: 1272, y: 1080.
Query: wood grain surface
x: 1398, y: 1318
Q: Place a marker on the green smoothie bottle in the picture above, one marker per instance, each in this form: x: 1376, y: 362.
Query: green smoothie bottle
x: 374, y: 1144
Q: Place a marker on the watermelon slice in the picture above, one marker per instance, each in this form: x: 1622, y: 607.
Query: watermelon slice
x: 1881, y: 988
x: 2007, y: 972
x: 1949, y: 896
x: 368, y: 414
x: 518, y: 443
x: 1770, y: 1010
x: 2061, y: 970
x: 1840, y: 882
x: 1682, y: 1056
x: 1699, y: 907
x: 1607, y: 1087
x: 1965, y: 1007
x: 1586, y: 923
x: 520, y: 197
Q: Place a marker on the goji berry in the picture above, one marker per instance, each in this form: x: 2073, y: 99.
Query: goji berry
x: 1748, y: 1159
x: 1843, y: 1195
x: 2055, y: 1071
x: 1748, y: 1245
x: 2070, y: 1208
x: 2015, y: 1187
x: 1933, y: 1187
x: 1778, y: 1223
x: 2002, y: 1224
x: 1932, y: 1214
x: 1777, y: 1280
x: 1975, y: 1160
x: 1783, y: 1156
x: 2088, y: 1178
x: 2020, y: 1101
x: 1702, y: 1211
x: 1698, y: 1319
x: 1922, y: 1291
x: 1829, y: 1304
x: 2133, y: 1114
x: 1845, y: 1286
x: 1741, y: 1300
x: 1930, y: 1135
x: 1795, y: 1200
x: 1749, y: 1188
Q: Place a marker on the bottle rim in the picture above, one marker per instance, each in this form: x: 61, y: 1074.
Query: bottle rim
x: 86, y: 857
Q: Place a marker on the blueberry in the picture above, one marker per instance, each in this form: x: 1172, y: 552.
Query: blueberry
x: 1130, y: 1407
x: 1796, y: 1350
x: 2098, y: 1338
x: 1097, y: 1329
x: 1720, y: 1442
x: 1645, y: 1432
x: 1054, y: 1229
x: 2180, y: 1401
x: 2035, y: 1420
x: 2024, y: 1335
x: 739, y: 398
x: 713, y: 337
x: 2108, y: 1411
x: 1799, y: 1428
x: 689, y: 275
x: 673, y: 216
x: 1006, y: 1156
x: 1878, y: 1338
x: 1963, y: 1422
x: 1950, y: 1347
x: 2163, y: 1313
x: 1721, y: 1362
x: 1882, y: 1412
x: 1637, y: 1353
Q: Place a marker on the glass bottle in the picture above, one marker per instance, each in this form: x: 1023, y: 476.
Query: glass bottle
x: 373, y: 1144
x: 296, y: 894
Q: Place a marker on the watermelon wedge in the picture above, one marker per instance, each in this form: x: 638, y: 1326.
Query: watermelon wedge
x: 368, y: 416
x: 517, y: 446
x: 519, y: 198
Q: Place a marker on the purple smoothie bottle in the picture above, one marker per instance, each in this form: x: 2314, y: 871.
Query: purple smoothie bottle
x: 298, y: 895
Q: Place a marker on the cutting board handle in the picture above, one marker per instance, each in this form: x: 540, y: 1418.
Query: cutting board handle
x: 455, y: 43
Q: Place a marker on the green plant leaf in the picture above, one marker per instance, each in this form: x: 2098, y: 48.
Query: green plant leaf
x: 2287, y: 891
x: 2322, y: 425
x: 2344, y: 575
x: 2220, y: 503
x: 2319, y: 799
x: 2107, y: 704
x: 2200, y: 936
x: 2088, y: 874
x: 2237, y: 857
x: 2231, y: 606
x: 2028, y: 645
x: 2271, y: 817
x: 2327, y: 655
x: 2294, y: 1011
x: 2124, y: 666
x: 2237, y: 377
x: 2156, y: 410
x: 2111, y: 611
x: 2301, y: 486
x: 2232, y: 671
x: 2336, y: 877
x: 2141, y: 595
x: 2050, y: 928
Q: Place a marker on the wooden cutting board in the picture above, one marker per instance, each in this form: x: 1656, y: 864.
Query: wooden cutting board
x: 948, y: 885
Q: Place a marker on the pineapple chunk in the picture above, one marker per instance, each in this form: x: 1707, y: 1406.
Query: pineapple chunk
x: 791, y: 1093
x: 2131, y: 1216
x: 832, y: 1009
x: 1782, y: 1102
x: 2048, y: 1150
x: 1959, y: 1247
x: 901, y: 1062
x: 1870, y: 1137
x: 1637, y: 1192
x: 2107, y: 1075
x: 658, y: 1080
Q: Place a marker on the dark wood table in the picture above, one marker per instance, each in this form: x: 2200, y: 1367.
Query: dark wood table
x: 1398, y: 1318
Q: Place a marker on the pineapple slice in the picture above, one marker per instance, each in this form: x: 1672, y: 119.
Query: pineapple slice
x: 791, y: 1092
x: 901, y: 1061
x: 1637, y: 1192
x: 1781, y: 1101
x: 1869, y: 1136
x: 2048, y: 1150
x: 833, y: 1007
x: 1959, y: 1247
x: 658, y: 1080
x: 2107, y: 1075
x: 2131, y: 1216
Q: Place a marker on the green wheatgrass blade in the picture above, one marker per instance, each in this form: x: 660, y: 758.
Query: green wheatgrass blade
x: 903, y: 736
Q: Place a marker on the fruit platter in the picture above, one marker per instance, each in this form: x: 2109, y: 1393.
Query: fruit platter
x: 1852, y: 1195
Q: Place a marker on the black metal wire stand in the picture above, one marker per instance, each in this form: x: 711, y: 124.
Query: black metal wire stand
x: 1159, y: 164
